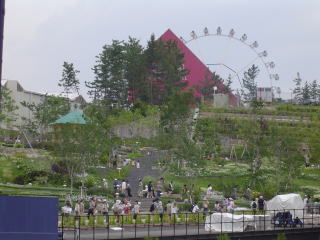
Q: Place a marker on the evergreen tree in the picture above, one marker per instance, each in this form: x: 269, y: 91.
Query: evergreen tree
x: 164, y: 62
x: 69, y: 80
x: 135, y: 70
x: 227, y: 85
x: 110, y: 86
x: 314, y: 90
x: 306, y: 93
x: 205, y: 88
x: 297, y: 91
x: 250, y: 86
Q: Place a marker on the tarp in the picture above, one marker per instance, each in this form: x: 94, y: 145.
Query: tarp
x: 287, y: 202
x: 228, y: 222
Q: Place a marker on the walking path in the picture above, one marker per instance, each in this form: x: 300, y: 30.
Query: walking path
x: 146, y: 169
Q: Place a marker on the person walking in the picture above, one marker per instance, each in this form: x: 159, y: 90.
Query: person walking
x: 150, y: 190
x: 123, y: 187
x: 160, y: 210
x: 129, y: 190
x: 152, y: 209
x: 136, y: 211
x: 117, y: 210
x: 92, y: 207
x: 195, y: 208
x: 159, y: 188
x: 105, y: 210
x: 209, y: 191
x: 79, y: 208
x: 261, y: 204
x: 140, y: 188
x: 205, y: 205
x: 138, y: 164
x: 253, y: 206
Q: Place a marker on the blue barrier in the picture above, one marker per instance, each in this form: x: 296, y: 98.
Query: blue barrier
x: 28, y: 218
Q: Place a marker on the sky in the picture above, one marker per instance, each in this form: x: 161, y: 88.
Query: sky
x: 40, y: 35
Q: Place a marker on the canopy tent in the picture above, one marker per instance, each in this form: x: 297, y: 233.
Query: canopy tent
x: 228, y: 222
x: 287, y: 202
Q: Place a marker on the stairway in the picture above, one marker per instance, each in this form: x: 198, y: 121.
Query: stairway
x: 145, y: 169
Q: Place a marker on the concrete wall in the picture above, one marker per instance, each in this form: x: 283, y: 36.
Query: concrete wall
x: 221, y: 100
x: 135, y: 130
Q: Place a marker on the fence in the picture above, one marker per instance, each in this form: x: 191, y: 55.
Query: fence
x: 122, y: 226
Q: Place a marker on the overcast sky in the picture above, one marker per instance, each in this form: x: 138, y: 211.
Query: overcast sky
x: 41, y: 34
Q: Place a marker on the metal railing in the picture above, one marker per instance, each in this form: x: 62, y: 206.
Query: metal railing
x: 122, y: 226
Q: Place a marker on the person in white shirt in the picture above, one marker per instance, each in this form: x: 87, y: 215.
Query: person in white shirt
x: 66, y: 210
x: 138, y: 164
x: 305, y: 200
x: 209, y: 191
x: 123, y: 186
x: 195, y: 208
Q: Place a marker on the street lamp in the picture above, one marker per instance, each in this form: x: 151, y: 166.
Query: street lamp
x: 232, y: 70
x: 215, y: 88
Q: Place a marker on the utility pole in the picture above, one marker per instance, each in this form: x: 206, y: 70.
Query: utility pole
x: 2, y: 12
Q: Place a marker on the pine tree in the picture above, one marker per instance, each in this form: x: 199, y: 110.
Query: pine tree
x: 135, y: 70
x: 297, y: 91
x: 306, y: 93
x: 164, y: 62
x: 249, y: 84
x: 69, y: 80
x: 227, y: 85
x: 110, y: 86
x: 314, y: 90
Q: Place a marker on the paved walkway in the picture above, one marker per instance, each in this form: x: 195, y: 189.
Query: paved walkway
x: 146, y: 169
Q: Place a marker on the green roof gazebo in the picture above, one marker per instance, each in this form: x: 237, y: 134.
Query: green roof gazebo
x: 74, y: 117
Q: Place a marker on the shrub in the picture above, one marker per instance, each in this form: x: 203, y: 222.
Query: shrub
x: 20, y: 155
x: 223, y: 237
x: 281, y: 236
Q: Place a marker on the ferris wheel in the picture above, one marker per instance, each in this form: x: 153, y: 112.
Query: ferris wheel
x: 259, y: 55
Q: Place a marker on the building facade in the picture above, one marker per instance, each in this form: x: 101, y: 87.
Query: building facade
x: 19, y: 94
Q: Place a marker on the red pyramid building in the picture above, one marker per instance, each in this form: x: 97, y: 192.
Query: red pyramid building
x: 197, y: 69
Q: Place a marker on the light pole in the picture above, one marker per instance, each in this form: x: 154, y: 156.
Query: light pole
x: 231, y: 69
x: 214, y: 93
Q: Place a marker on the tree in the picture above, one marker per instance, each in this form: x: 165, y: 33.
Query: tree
x: 306, y: 94
x: 44, y: 113
x: 227, y: 85
x: 135, y: 70
x: 110, y: 86
x: 314, y: 90
x: 177, y: 110
x: 8, y: 107
x: 80, y: 146
x: 69, y: 80
x: 249, y: 92
x: 206, y: 86
x: 165, y: 66
x: 297, y: 91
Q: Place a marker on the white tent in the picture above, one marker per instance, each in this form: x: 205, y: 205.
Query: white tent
x: 288, y: 202
x: 228, y: 222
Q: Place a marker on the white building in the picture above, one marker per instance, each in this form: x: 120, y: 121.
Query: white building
x: 264, y: 94
x: 19, y: 94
